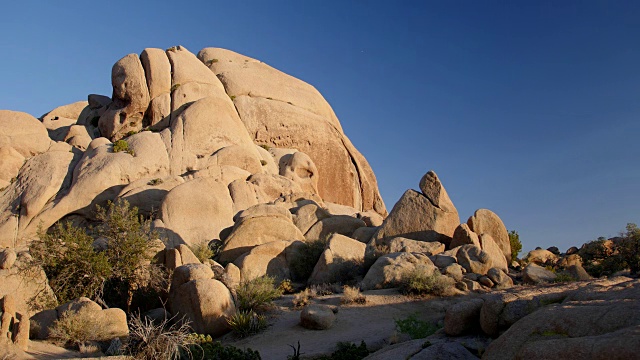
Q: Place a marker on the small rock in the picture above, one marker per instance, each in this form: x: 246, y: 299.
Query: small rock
x: 7, y: 258
x: 317, y: 317
x: 534, y: 274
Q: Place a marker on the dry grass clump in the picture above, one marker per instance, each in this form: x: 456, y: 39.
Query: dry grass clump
x: 73, y: 328
x: 202, y: 251
x: 424, y: 280
x: 257, y: 294
x: 352, y: 295
x: 148, y: 340
x: 303, y: 298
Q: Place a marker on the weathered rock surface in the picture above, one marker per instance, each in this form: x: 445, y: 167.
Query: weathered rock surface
x: 388, y: 270
x: 317, y: 317
x: 540, y: 257
x: 273, y: 259
x: 464, y: 236
x: 534, y: 274
x: 463, y: 317
x: 339, y: 253
x: 400, y: 244
x: 474, y: 259
x: 24, y: 133
x: 340, y: 224
x: 486, y: 221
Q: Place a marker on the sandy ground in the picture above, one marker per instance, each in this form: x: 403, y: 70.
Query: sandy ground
x: 373, y: 322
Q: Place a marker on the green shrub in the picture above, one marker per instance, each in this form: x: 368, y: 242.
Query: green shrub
x: 214, y: 350
x: 286, y: 287
x: 564, y: 277
x: 212, y: 61
x: 202, y: 251
x: 257, y: 294
x: 516, y: 245
x: 346, y: 271
x: 423, y: 280
x: 174, y: 87
x: 122, y: 145
x: 244, y: 323
x: 154, y: 182
x: 305, y: 259
x: 73, y: 267
x: 629, y: 248
x: 348, y: 351
x: 415, y: 328
x: 266, y: 147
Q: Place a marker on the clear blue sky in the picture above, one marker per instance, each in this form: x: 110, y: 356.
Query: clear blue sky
x: 530, y: 109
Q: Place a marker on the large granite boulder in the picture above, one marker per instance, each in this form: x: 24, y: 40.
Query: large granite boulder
x: 486, y: 221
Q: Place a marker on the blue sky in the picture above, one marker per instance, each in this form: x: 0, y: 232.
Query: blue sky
x: 530, y: 109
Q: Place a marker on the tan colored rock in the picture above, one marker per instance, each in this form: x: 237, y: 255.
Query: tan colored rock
x: 273, y: 187
x: 433, y: 189
x: 186, y: 255
x: 337, y: 209
x: 188, y: 272
x: 308, y: 215
x: 577, y: 328
x: 41, y: 322
x: 78, y: 137
x: 147, y: 194
x: 24, y: 133
x: 570, y: 260
x: 197, y: 211
x: 243, y: 157
x: 159, y: 112
x: 578, y: 273
x: 100, y: 175
x: 206, y: 126
x: 474, y: 259
x: 341, y: 224
x: 464, y: 236
x: 364, y: 234
x: 489, y: 246
x: 340, y: 251
x: 224, y: 174
x: 263, y: 210
x: 317, y: 317
x: 130, y: 99
x: 400, y: 244
x: 233, y: 276
x: 272, y: 259
x: 389, y: 270
x: 157, y: 70
x: 173, y: 259
x: 10, y: 163
x: 534, y: 274
x: 59, y: 120
x: 486, y: 221
x: 300, y: 169
x: 371, y: 218
x: 415, y: 217
x: 500, y: 278
x: 463, y: 317
x: 257, y: 231
x: 454, y: 271
x: 243, y: 194
x: 540, y: 257
x: 205, y: 303
x: 442, y: 260
x: 107, y: 324
x: 7, y: 258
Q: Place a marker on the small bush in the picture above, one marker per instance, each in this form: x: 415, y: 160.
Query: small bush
x: 155, y: 182
x: 285, y: 287
x: 257, y: 294
x: 73, y: 267
x: 122, y: 145
x: 352, y: 295
x: 516, y: 245
x: 202, y: 251
x: 303, y: 298
x: 306, y: 258
x: 415, y: 328
x: 213, y: 350
x: 148, y: 340
x: 348, y: 351
x: 232, y: 97
x: 564, y: 277
x: 244, y: 323
x: 212, y: 61
x: 266, y: 147
x: 423, y: 280
x: 174, y: 87
x: 263, y: 162
x: 75, y: 329
x: 346, y: 271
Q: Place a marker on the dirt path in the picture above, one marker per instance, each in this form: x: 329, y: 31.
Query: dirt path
x: 373, y: 322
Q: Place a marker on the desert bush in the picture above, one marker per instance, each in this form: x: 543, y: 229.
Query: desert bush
x: 346, y: 271
x: 348, y: 351
x: 244, y: 323
x: 74, y: 328
x: 516, y: 245
x: 286, y: 287
x: 155, y: 341
x: 72, y: 266
x: 302, y: 298
x: 122, y: 145
x: 202, y: 251
x: 306, y: 258
x: 206, y: 348
x: 352, y: 295
x: 564, y: 277
x: 256, y: 294
x: 415, y: 328
x: 629, y: 248
x: 423, y: 280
